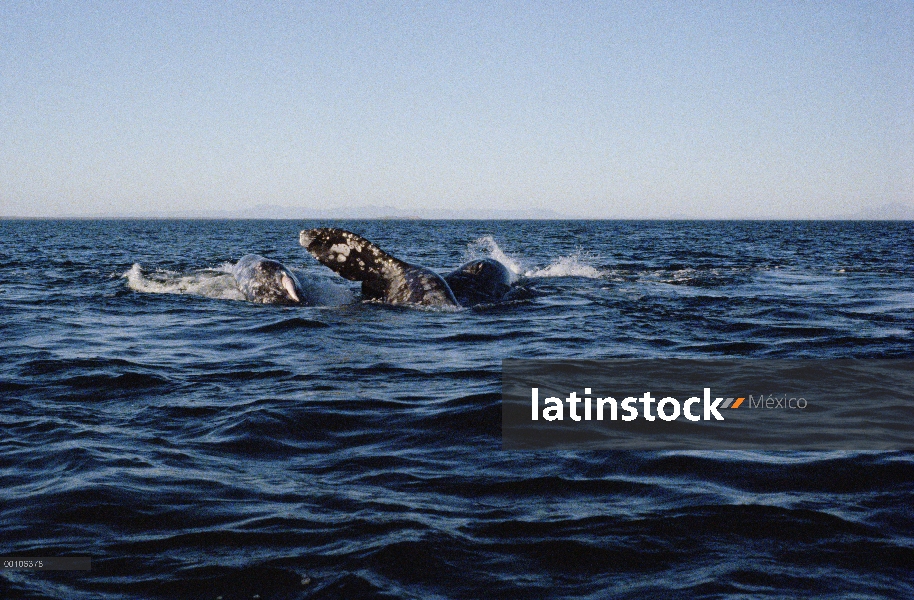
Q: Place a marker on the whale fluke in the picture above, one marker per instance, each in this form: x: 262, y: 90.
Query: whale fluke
x: 383, y: 277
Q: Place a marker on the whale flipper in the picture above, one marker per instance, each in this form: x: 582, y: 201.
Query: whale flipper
x: 383, y: 277
x: 267, y: 281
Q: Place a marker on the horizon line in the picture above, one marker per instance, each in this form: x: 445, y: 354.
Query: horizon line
x: 392, y: 218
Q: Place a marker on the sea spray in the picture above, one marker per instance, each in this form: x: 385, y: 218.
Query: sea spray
x: 220, y: 284
x: 567, y: 266
x: 574, y: 265
x: 487, y: 247
x: 215, y: 283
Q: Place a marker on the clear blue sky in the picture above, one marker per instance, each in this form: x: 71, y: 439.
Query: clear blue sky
x: 616, y: 109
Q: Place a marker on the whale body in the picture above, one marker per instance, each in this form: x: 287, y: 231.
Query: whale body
x: 267, y: 281
x: 391, y: 280
x: 383, y: 277
x: 480, y: 281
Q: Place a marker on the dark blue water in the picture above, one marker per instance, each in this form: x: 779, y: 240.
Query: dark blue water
x: 196, y: 445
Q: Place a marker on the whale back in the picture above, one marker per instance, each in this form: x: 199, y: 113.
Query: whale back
x: 480, y: 281
x: 383, y: 276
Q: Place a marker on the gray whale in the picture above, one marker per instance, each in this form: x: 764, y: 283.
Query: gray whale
x: 480, y: 281
x: 383, y: 277
x: 267, y: 281
x: 391, y: 280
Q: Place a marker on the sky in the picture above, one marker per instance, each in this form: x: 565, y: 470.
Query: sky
x: 594, y: 110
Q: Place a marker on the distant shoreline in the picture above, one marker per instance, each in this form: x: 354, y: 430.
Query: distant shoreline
x: 410, y: 219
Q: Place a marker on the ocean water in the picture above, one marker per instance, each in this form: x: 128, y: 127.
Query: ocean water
x: 196, y: 445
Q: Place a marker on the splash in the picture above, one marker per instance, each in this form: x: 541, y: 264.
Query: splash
x: 567, y: 266
x: 487, y: 247
x: 211, y: 283
x: 575, y: 265
x: 219, y: 283
x: 324, y: 291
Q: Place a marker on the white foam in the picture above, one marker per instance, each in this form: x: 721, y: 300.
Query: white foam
x: 322, y: 290
x: 211, y: 283
x: 567, y: 266
x: 487, y: 247
x: 575, y: 265
x: 220, y: 283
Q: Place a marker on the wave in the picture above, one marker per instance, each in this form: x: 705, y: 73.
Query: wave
x: 293, y: 324
x: 573, y: 265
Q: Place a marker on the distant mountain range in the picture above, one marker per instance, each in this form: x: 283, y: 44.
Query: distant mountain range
x: 891, y: 212
x: 265, y: 211
x: 896, y: 211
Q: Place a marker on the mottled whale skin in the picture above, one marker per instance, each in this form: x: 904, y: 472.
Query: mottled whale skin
x: 267, y: 281
x: 383, y: 277
x: 389, y: 279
